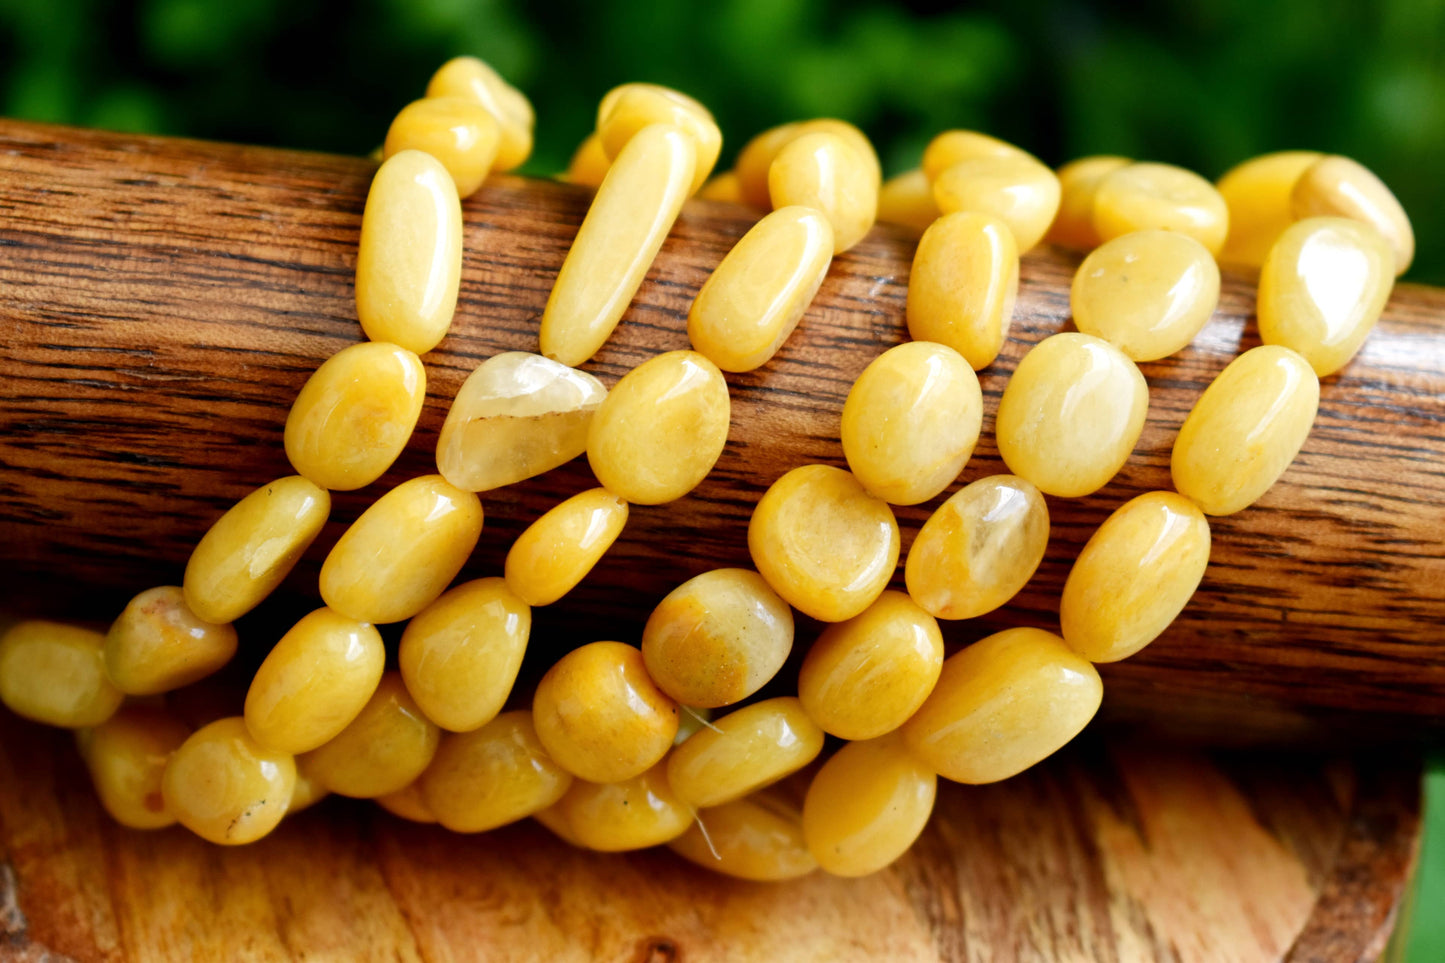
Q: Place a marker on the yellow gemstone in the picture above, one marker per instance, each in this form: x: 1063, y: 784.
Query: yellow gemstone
x: 589, y: 163
x: 723, y: 187
x: 1245, y: 429
x: 1339, y: 187
x: 908, y: 199
x: 962, y: 286
x: 470, y: 77
x: 630, y: 814
x: 409, y: 264
x: 1147, y: 293
x: 758, y: 838
x: 355, y: 414
x: 1073, y: 226
x: 1322, y: 288
x: 383, y: 750
x: 823, y: 543
x: 755, y: 298
x: 127, y: 756
x: 55, y: 673
x: 158, y: 644
x: 556, y: 822
x: 560, y: 548
x: 979, y: 548
x: 827, y: 172
x: 402, y: 552
x: 627, y: 109
x: 1018, y: 190
x: 1071, y: 414
x: 408, y: 804
x: 227, y: 788
x: 492, y: 776
x: 253, y: 547
x: 1258, y: 194
x: 1141, y: 197
x: 1003, y: 704
x: 955, y: 146
x: 911, y: 421
x: 457, y: 131
x: 308, y: 790
x: 517, y: 415
x: 461, y: 654
x: 744, y: 751
x: 757, y: 156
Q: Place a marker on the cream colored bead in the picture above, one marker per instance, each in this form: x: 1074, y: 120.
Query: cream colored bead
x: 1258, y: 195
x: 743, y: 751
x: 55, y: 674
x: 1018, y: 190
x: 963, y: 284
x: 1340, y: 187
x: 473, y: 78
x: 1073, y: 226
x: 955, y: 146
x: 630, y: 108
x: 758, y: 154
x: 908, y: 199
x: 457, y: 131
x: 826, y: 172
x: 560, y: 548
x: 1141, y: 197
x: 589, y: 163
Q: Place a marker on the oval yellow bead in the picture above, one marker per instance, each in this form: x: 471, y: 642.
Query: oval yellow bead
x: 127, y: 756
x: 908, y: 199
x: 492, y: 776
x: 409, y: 264
x: 1340, y: 187
x: 473, y: 78
x: 758, y: 154
x: 1245, y: 429
x: 630, y: 814
x: 1018, y: 190
x: 461, y: 654
x: 755, y: 298
x: 828, y: 173
x: 758, y: 838
x: 560, y: 548
x: 1073, y: 226
x: 408, y: 804
x: 1071, y: 414
x: 1003, y: 704
x: 823, y: 543
x: 314, y: 682
x: 383, y: 750
x: 227, y: 788
x: 744, y: 751
x: 661, y: 428
x: 723, y: 187
x: 158, y: 644
x: 402, y: 552
x: 1147, y: 293
x: 55, y: 673
x: 911, y: 420
x: 457, y: 131
x: 1141, y: 197
x: 627, y: 109
x: 307, y: 791
x: 955, y: 146
x: 1258, y: 195
x: 866, y: 806
x: 253, y: 547
x: 979, y: 548
x: 589, y: 163
x: 1322, y: 288
x: 355, y: 414
x: 963, y: 284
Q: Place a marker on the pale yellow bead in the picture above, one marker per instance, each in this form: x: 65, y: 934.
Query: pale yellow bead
x: 723, y: 187
x: 954, y: 146
x: 127, y: 756
x: 227, y: 788
x: 308, y: 790
x: 1258, y: 195
x: 963, y: 285
x: 630, y: 108
x: 1073, y: 226
x: 630, y: 814
x: 158, y: 644
x: 470, y: 77
x: 1160, y: 196
x: 383, y: 750
x: 1245, y: 429
x: 408, y: 804
x: 1340, y: 187
x: 758, y: 838
x: 55, y: 673
x: 589, y: 163
x: 828, y: 173
x: 744, y: 751
x: 492, y: 776
x: 758, y: 154
x: 908, y: 199
x: 1018, y: 190
x: 560, y: 548
x: 457, y: 131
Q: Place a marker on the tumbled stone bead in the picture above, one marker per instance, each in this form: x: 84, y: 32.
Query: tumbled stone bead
x: 963, y: 285
x: 744, y: 751
x: 475, y: 79
x: 955, y: 146
x: 226, y: 787
x: 307, y: 791
x: 758, y: 154
x: 492, y: 776
x: 589, y: 163
x: 758, y: 838
x: 457, y: 131
x: 127, y: 756
x: 55, y: 673
x: 633, y: 813
x: 560, y: 548
x: 908, y: 199
x: 1018, y: 190
x: 1073, y: 226
x: 408, y: 804
x: 826, y: 172
x: 723, y: 187
x: 1141, y: 197
x: 383, y: 750
x: 1258, y: 194
x: 1340, y: 187
x: 627, y: 109
x: 158, y: 644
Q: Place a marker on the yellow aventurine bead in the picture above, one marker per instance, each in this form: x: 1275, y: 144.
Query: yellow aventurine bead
x: 517, y: 415
x: 758, y: 838
x: 826, y: 172
x: 227, y: 788
x: 127, y: 756
x: 1339, y: 187
x: 253, y: 547
x: 979, y: 548
x: 717, y: 638
x: 158, y: 644
x: 744, y: 751
x: 457, y: 131
x: 757, y: 156
x: 661, y: 429
x: 911, y: 420
x: 560, y: 548
x: 1160, y: 196
x: 1018, y: 190
x: 307, y: 790
x: 723, y: 187
x: 556, y: 822
x: 1073, y: 226
x: 630, y: 216
x: 409, y: 263
x: 823, y: 543
x: 954, y: 146
x: 314, y: 682
x: 473, y: 78
x: 908, y: 199
x: 589, y: 163
x: 383, y: 750
x: 599, y: 714
x: 492, y: 776
x: 402, y: 552
x: 408, y: 804
x: 630, y: 814
x: 55, y: 674
x: 1071, y: 414
x: 962, y: 286
x: 866, y: 806
x: 1245, y: 429
x: 754, y: 299
x: 627, y: 109
x: 355, y: 414
x: 866, y: 676
x: 1147, y: 293
x: 461, y: 654
x: 1003, y: 704
x: 1257, y: 194
x: 1322, y: 289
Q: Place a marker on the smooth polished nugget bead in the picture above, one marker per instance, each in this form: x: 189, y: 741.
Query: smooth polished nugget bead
x: 253, y: 547
x: 475, y: 79
x: 158, y: 644
x: 629, y: 814
x: 589, y: 163
x: 758, y: 838
x: 828, y: 173
x: 226, y: 787
x: 758, y: 154
x: 492, y: 776
x: 1147, y: 293
x: 457, y: 131
x: 1258, y: 195
x: 409, y: 263
x: 963, y: 285
x: 1140, y: 197
x: 383, y: 750
x: 560, y: 548
x: 911, y: 420
x: 355, y: 414
x: 723, y: 187
x: 1322, y: 289
x: 308, y: 789
x: 127, y: 756
x: 402, y: 552
x: 1073, y: 226
x: 1003, y: 704
x: 1018, y: 190
x: 757, y: 295
x: 627, y: 109
x: 744, y: 751
x: 1245, y: 429
x: 908, y: 199
x: 1340, y: 187
x: 954, y: 146
x: 408, y: 804
x: 517, y: 415
x: 55, y: 673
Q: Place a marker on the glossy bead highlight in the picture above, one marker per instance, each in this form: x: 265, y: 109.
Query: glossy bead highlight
x: 1258, y: 194
x: 1340, y: 187
x: 963, y: 284
x: 1018, y: 190
x: 630, y: 108
x: 475, y: 79
x: 158, y: 644
x: 457, y: 131
x: 824, y: 171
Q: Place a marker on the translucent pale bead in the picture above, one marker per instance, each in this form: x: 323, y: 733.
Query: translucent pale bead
x: 409, y: 263
x: 979, y: 548
x: 461, y: 654
x: 1245, y: 429
x: 1073, y: 226
x: 473, y: 78
x: 1147, y: 293
x: 828, y: 173
x: 589, y: 163
x: 1003, y: 704
x: 158, y: 644
x: 403, y: 551
x: 492, y: 776
x: 630, y: 216
x: 823, y: 543
x: 314, y: 682
x: 383, y: 750
x: 457, y: 131
x: 1339, y: 187
x: 54, y: 673
x: 225, y: 787
x: 630, y: 814
x: 408, y: 804
x: 1322, y: 289
x: 758, y: 838
x: 908, y: 199
x: 954, y: 146
x: 355, y: 414
x: 757, y: 156
x: 754, y: 299
x: 1018, y: 190
x: 127, y: 756
x: 517, y: 415
x: 911, y: 420
x: 308, y: 790
x: 866, y: 676
x: 1257, y: 194
x: 560, y: 548
x: 867, y: 806
x: 661, y: 428
x: 1160, y: 196
x: 723, y: 187
x: 627, y: 109
x: 599, y: 714
x: 963, y: 284
x: 253, y: 547
x: 744, y: 751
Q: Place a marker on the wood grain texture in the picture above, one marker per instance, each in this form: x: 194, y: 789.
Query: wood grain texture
x: 162, y: 301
